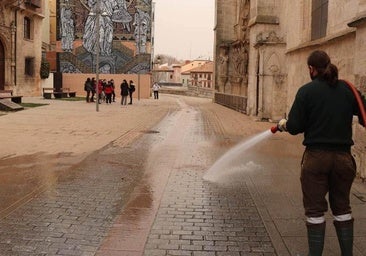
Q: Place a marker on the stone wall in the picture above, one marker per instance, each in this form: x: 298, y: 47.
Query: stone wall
x: 279, y: 44
x: 17, y: 48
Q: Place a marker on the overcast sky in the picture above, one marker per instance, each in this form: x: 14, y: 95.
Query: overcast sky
x: 184, y: 28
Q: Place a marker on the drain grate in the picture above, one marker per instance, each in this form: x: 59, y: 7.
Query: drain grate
x: 150, y: 131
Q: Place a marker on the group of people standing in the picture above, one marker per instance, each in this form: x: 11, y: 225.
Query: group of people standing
x: 106, y: 90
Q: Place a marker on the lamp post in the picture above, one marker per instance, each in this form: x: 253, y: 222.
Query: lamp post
x: 97, y: 25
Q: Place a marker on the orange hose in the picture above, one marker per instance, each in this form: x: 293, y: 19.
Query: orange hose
x: 359, y: 102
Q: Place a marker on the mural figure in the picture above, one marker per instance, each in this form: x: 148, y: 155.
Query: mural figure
x: 67, y: 29
x: 118, y: 21
x: 111, y: 11
x: 121, y: 15
x: 142, y: 24
x: 90, y: 43
x: 105, y: 69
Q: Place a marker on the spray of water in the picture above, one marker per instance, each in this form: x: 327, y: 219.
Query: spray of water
x: 220, y: 167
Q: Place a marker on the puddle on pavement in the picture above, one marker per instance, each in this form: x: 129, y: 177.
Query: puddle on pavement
x: 22, y: 176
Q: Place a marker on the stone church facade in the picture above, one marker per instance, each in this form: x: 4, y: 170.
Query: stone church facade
x: 21, y: 45
x: 261, y: 49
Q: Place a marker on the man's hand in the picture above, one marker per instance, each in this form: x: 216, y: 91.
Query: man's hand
x: 282, y: 125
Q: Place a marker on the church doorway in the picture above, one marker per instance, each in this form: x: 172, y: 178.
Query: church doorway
x: 2, y: 66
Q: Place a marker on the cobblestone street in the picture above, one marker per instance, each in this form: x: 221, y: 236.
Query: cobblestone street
x: 134, y: 186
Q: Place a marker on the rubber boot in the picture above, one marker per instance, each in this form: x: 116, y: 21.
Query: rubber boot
x: 345, y: 236
x: 316, y: 233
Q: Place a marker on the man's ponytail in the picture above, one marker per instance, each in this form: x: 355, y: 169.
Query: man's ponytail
x: 331, y: 74
x: 326, y: 70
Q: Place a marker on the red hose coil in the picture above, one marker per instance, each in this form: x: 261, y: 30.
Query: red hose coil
x: 359, y: 101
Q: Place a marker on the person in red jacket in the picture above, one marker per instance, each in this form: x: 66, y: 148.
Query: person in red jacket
x: 100, y: 91
x: 108, y: 90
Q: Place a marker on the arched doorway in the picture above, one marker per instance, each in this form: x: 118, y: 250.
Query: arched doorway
x: 2, y: 66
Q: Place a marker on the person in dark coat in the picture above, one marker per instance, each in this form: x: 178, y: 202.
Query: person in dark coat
x: 94, y: 89
x: 88, y: 87
x: 124, y: 92
x: 131, y: 90
x: 323, y: 110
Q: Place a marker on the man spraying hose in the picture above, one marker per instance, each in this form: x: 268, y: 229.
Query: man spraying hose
x: 323, y: 110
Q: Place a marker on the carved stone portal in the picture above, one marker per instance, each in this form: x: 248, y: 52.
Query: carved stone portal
x: 239, y: 60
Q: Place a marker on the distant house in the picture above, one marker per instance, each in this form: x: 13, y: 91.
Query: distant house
x: 202, y: 75
x: 202, y: 69
x: 197, y: 73
x: 163, y: 73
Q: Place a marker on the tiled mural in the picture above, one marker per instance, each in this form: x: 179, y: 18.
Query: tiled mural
x: 124, y: 36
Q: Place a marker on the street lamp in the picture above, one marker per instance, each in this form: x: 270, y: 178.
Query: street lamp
x: 97, y: 25
x: 97, y: 53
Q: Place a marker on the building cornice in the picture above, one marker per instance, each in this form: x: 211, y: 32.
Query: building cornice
x: 358, y: 21
x: 323, y: 41
x: 264, y: 19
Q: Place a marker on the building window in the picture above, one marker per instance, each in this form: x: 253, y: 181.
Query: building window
x: 29, y: 66
x: 27, y: 28
x: 319, y: 19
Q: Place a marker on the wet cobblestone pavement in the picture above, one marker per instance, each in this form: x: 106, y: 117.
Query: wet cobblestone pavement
x: 197, y: 218
x: 139, y: 189
x: 73, y: 216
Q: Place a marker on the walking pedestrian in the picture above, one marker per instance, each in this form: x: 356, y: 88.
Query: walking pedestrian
x: 323, y: 110
x: 124, y: 92
x: 155, y: 89
x: 131, y: 90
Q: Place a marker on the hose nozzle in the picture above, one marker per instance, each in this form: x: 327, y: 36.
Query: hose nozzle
x: 274, y: 129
